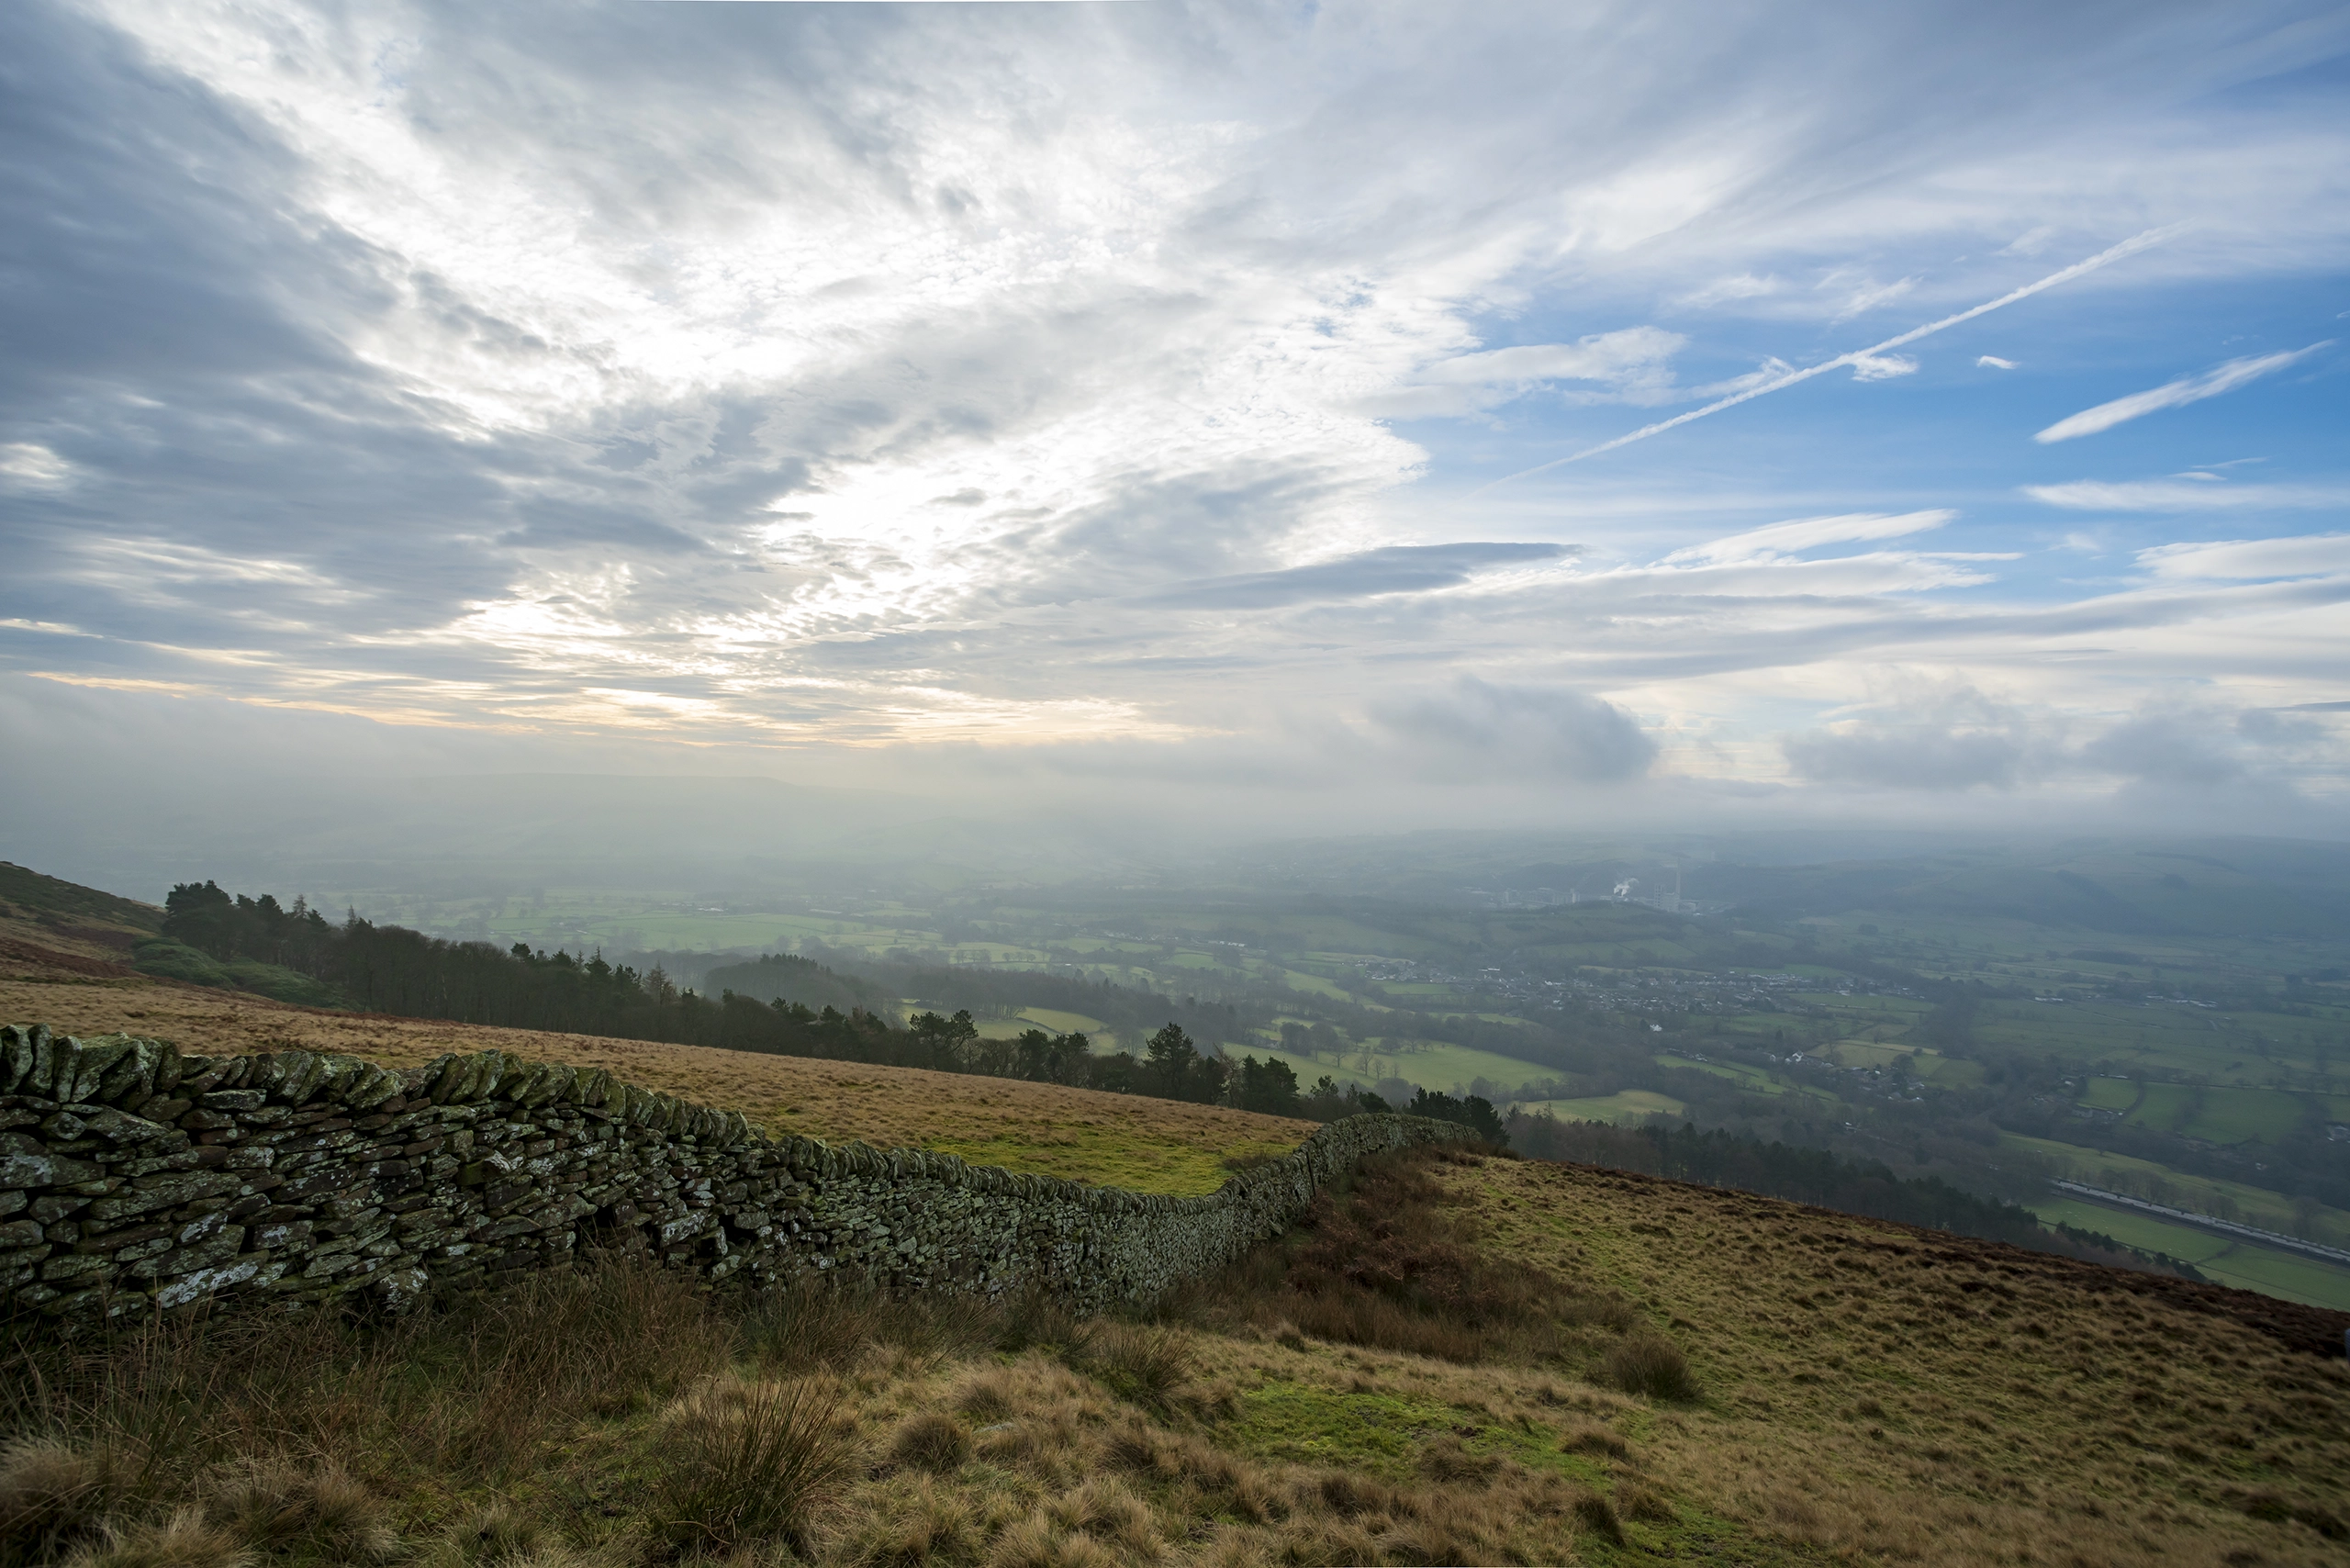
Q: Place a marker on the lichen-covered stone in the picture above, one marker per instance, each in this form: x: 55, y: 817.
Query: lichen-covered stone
x: 293, y: 1177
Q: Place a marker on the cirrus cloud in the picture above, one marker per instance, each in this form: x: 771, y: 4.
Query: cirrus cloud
x: 2175, y: 394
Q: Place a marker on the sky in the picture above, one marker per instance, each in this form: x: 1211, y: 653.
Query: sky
x: 1296, y: 415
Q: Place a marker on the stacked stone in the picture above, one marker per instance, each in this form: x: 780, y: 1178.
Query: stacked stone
x: 135, y: 1179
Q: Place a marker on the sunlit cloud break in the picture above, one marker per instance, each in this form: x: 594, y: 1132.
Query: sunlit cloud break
x: 2174, y: 393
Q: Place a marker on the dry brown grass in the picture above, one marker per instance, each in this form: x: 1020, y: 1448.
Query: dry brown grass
x: 1127, y: 1140
x: 1886, y: 1396
x: 186, y: 1539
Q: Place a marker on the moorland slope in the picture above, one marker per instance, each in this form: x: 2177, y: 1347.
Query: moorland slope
x: 1127, y: 1140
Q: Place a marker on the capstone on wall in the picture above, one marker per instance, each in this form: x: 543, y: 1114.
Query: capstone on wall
x: 135, y: 1179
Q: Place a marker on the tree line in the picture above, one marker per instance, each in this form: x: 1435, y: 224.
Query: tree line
x: 390, y: 968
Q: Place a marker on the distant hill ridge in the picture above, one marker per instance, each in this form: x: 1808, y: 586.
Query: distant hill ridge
x: 66, y: 915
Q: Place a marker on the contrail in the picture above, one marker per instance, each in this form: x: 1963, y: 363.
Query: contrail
x: 2128, y: 247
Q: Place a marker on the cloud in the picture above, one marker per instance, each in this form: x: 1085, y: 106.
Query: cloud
x: 1868, y: 296
x: 1396, y: 569
x: 1927, y: 736
x: 30, y: 465
x: 1607, y: 356
x: 1809, y: 533
x: 1740, y: 285
x: 1955, y: 738
x: 825, y: 380
x: 1633, y: 365
x: 1478, y: 730
x: 2307, y: 555
x: 1882, y: 367
x: 1910, y: 758
x: 1993, y: 362
x: 2174, y: 394
x: 2196, y: 495
x: 2188, y: 748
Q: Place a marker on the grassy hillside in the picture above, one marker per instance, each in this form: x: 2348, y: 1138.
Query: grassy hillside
x: 69, y: 917
x: 1126, y: 1140
x: 1462, y: 1360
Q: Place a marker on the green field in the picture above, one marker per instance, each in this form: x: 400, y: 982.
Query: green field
x: 1873, y: 1018
x: 2241, y: 1264
x: 1431, y: 1064
x: 1097, y: 1034
x: 2109, y: 1094
x: 1755, y: 1080
x: 1629, y: 1105
x: 2216, y: 1115
x: 2159, y: 1039
x: 2204, y: 1194
x: 1064, y: 1022
x: 1926, y: 1063
x: 1298, y: 979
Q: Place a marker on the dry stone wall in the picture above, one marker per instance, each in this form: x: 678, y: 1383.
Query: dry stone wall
x: 135, y: 1179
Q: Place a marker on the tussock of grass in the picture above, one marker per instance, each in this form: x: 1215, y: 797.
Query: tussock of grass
x: 752, y: 1463
x: 914, y: 1520
x: 1647, y: 1363
x: 1596, y: 1441
x: 1450, y: 1461
x: 324, y: 1512
x: 1640, y: 1502
x: 931, y: 1441
x: 1599, y: 1514
x: 182, y: 1541
x: 52, y: 1495
x: 1145, y: 1363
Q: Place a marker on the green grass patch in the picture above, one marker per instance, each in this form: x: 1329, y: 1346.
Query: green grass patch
x: 168, y: 959
x: 1629, y: 1105
x: 1749, y: 1078
x: 1383, y: 1433
x: 1109, y: 1157
x: 2160, y: 1039
x: 2216, y: 1115
x: 1866, y: 1053
x: 2110, y: 1095
x: 1428, y: 1063
x: 1062, y: 1023
x: 2246, y: 1265
x: 2142, y: 1231
x: 2271, y: 1273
